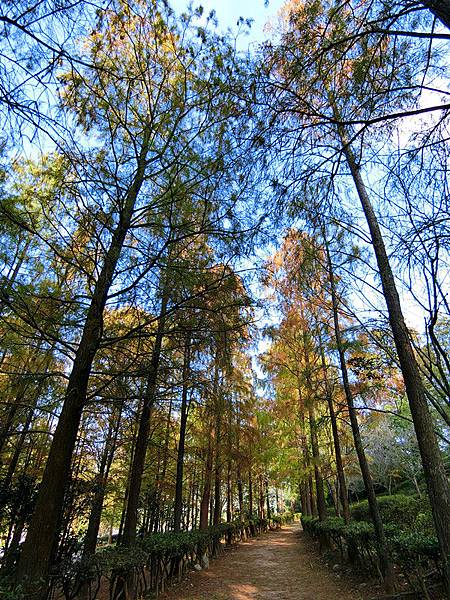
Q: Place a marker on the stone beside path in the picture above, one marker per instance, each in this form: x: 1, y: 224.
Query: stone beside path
x: 280, y: 565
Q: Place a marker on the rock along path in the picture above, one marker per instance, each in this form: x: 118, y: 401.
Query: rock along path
x: 280, y: 565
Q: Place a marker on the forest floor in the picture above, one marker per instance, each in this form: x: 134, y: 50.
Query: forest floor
x: 280, y: 565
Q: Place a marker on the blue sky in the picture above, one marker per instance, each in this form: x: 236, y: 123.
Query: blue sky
x: 228, y: 12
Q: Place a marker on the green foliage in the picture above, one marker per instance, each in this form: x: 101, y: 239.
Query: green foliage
x: 121, y: 559
x: 8, y: 591
x: 407, y: 512
x: 284, y: 518
x: 407, y: 525
x: 309, y: 523
x: 409, y: 546
x: 332, y: 525
x: 150, y: 552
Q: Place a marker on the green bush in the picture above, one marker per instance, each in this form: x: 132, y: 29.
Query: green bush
x: 308, y: 523
x: 172, y: 544
x: 399, y: 509
x: 8, y: 591
x: 406, y: 523
x: 119, y: 558
x: 409, y: 546
x: 334, y: 525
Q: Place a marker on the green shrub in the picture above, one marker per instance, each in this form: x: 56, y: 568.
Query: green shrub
x: 400, y: 509
x: 308, y: 523
x: 359, y: 532
x: 332, y: 525
x: 119, y: 558
x: 412, y: 545
x: 8, y: 591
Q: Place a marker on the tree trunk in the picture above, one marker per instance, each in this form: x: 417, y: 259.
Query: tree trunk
x: 40, y: 544
x: 261, y: 498
x: 178, y: 505
x: 18, y: 450
x: 321, y: 505
x: 266, y: 487
x: 90, y: 540
x: 382, y: 550
x: 433, y: 465
x: 306, y: 508
x: 158, y: 504
x: 306, y: 498
x: 343, y: 493
x: 140, y: 451
x: 204, y: 504
x: 240, y: 492
x: 229, y: 494
x: 312, y: 497
x: 217, y: 468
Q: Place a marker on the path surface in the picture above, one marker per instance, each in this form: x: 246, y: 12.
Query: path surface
x: 280, y: 565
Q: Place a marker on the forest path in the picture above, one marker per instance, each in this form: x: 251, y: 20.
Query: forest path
x: 280, y: 565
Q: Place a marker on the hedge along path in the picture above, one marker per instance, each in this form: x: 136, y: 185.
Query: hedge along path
x: 275, y: 566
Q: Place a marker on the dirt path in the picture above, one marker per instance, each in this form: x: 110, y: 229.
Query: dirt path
x: 280, y: 565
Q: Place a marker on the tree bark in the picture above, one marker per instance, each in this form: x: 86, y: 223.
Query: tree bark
x: 266, y: 488
x: 140, y: 451
x: 90, y: 540
x: 40, y: 544
x: 321, y: 505
x: 433, y: 465
x: 343, y: 493
x: 204, y: 504
x: 218, y: 467
x: 312, y: 497
x: 240, y: 492
x: 382, y: 549
x: 178, y: 504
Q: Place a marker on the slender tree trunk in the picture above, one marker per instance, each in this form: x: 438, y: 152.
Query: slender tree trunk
x: 321, y: 505
x: 261, y: 497
x: 13, y: 547
x: 7, y: 425
x: 229, y: 494
x: 266, y: 488
x: 159, y: 506
x: 204, y: 504
x: 218, y: 467
x: 433, y: 465
x: 306, y: 502
x: 40, y: 544
x: 195, y: 518
x: 306, y: 508
x: 140, y: 451
x: 250, y: 493
x: 320, y: 494
x: 178, y: 505
x: 18, y: 450
x: 127, y: 487
x: 90, y: 540
x: 336, y: 442
x: 382, y: 549
x: 240, y: 492
x: 312, y: 496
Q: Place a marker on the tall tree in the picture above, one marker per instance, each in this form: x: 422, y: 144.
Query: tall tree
x: 361, y: 82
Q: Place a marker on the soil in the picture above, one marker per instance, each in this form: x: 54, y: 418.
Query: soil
x: 280, y: 565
